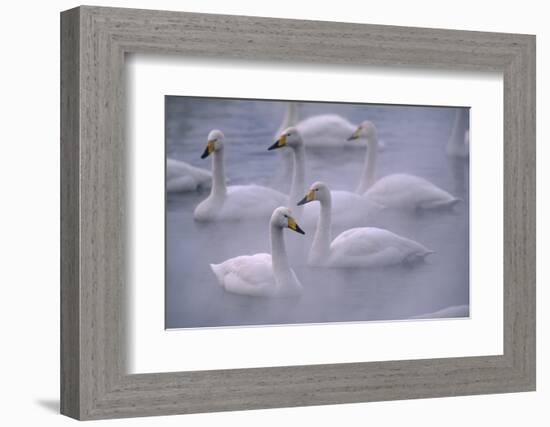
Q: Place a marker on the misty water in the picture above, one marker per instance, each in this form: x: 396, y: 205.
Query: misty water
x: 415, y: 141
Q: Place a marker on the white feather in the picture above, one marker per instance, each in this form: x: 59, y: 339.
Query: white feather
x: 262, y: 274
x: 403, y: 191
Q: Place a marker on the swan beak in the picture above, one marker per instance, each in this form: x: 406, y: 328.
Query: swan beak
x: 293, y: 226
x: 208, y: 150
x: 281, y: 142
x: 356, y: 134
x: 308, y: 198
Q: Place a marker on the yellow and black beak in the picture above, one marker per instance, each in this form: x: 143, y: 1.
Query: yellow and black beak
x: 208, y: 150
x: 293, y: 226
x: 356, y: 134
x: 281, y: 142
x: 308, y: 198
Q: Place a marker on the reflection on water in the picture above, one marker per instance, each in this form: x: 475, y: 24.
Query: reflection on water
x: 415, y: 139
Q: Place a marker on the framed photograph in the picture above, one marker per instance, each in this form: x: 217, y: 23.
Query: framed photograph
x: 262, y: 213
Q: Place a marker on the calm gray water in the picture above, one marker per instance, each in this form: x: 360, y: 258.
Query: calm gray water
x: 415, y: 139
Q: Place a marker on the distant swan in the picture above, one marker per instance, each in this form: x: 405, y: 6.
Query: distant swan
x: 357, y: 247
x: 349, y: 208
x: 396, y: 190
x: 181, y: 177
x: 233, y: 202
x: 459, y: 142
x: 318, y: 131
x: 263, y: 274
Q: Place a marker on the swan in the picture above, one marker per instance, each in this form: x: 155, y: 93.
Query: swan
x: 356, y: 247
x: 321, y: 130
x: 349, y: 208
x: 233, y: 202
x: 181, y: 177
x: 263, y: 274
x: 459, y: 142
x: 397, y: 190
x: 318, y: 131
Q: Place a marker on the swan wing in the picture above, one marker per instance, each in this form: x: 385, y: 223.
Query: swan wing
x: 326, y: 130
x: 362, y: 241
x: 371, y: 246
x: 246, y: 274
x: 408, y: 191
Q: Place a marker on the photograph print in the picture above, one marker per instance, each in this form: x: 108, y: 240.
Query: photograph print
x: 283, y: 212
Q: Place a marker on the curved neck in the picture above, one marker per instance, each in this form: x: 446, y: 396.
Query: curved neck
x: 218, y: 175
x: 297, y: 186
x: 320, y: 247
x: 281, y: 268
x: 369, y: 171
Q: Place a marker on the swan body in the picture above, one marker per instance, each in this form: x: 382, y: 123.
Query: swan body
x: 182, y: 177
x: 402, y: 191
x: 459, y: 142
x: 326, y: 130
x: 373, y: 247
x: 349, y: 208
x: 365, y: 247
x: 263, y: 274
x: 235, y: 202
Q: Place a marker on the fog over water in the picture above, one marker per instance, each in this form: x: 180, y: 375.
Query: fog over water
x: 415, y: 141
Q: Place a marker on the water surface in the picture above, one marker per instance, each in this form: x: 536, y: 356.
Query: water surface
x: 415, y: 140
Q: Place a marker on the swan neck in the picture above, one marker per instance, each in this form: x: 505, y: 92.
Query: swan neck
x: 297, y: 186
x: 369, y: 171
x: 281, y: 267
x: 219, y: 188
x: 321, y: 241
x: 290, y: 118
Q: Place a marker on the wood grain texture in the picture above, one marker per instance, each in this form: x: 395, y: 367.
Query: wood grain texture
x: 94, y: 237
x: 70, y: 292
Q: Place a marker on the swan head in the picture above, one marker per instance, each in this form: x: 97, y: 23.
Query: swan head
x: 282, y: 218
x: 290, y: 137
x: 318, y: 191
x: 366, y: 130
x: 215, y: 143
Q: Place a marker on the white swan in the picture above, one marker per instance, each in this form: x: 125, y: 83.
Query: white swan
x: 397, y: 190
x: 356, y: 247
x: 318, y: 131
x: 181, y: 177
x: 326, y: 130
x: 349, y: 208
x: 321, y: 130
x: 233, y: 202
x: 263, y: 274
x: 459, y: 142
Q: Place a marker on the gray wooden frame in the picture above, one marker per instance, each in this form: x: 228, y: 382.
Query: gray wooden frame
x: 94, y: 41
